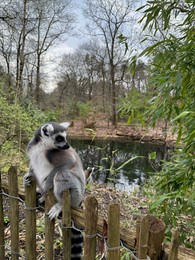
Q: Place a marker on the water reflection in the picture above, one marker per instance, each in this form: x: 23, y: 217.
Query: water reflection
x: 106, y: 156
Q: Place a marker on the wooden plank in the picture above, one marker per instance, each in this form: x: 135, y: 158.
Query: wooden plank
x: 127, y: 236
x: 2, y: 238
x: 49, y: 227
x: 143, y: 237
x: 113, y: 245
x: 91, y: 218
x: 173, y: 254
x: 66, y: 223
x: 30, y: 215
x: 14, y: 212
x: 137, y: 233
x: 156, y: 237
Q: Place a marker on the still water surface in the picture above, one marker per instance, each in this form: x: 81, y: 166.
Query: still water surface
x: 106, y: 156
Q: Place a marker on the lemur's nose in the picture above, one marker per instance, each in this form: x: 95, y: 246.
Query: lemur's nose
x: 66, y: 146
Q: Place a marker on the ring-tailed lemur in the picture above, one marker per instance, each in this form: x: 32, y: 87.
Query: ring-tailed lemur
x: 54, y: 164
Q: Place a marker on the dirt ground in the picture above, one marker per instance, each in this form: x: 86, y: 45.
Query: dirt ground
x: 105, y: 130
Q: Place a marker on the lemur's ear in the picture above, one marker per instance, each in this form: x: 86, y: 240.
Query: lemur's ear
x: 47, y: 129
x: 65, y: 124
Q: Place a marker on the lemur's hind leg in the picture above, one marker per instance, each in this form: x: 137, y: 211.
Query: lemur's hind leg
x: 65, y: 180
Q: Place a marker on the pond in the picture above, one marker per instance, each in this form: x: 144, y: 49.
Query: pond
x: 107, y: 157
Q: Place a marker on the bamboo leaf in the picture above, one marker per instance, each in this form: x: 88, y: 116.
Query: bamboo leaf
x: 152, y: 156
x: 156, y: 203
x: 183, y: 114
x: 128, y: 161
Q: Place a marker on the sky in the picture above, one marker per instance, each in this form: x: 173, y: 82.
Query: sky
x: 68, y: 45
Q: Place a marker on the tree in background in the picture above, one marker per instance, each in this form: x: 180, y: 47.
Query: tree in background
x: 108, y: 18
x: 94, y: 52
x: 172, y: 75
x: 135, y: 102
x: 54, y: 19
x: 28, y: 30
x: 17, y: 124
x: 14, y: 31
x: 78, y: 76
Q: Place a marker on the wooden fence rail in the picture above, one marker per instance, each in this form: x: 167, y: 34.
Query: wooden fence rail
x: 147, y: 242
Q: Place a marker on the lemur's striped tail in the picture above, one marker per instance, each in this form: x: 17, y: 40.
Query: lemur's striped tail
x: 76, y: 244
x: 76, y: 235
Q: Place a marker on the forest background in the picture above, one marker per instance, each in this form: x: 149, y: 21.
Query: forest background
x: 135, y: 64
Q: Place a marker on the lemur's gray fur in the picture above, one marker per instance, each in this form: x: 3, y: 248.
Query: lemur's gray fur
x: 53, y: 163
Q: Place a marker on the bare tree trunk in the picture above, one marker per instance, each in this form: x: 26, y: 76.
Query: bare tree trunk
x: 18, y: 67
x: 20, y: 54
x: 114, y: 116
x: 90, y: 88
x: 103, y: 90
x: 45, y: 32
x: 109, y: 21
x: 38, y: 81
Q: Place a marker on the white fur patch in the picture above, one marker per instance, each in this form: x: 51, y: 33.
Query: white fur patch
x: 39, y: 163
x: 49, y: 128
x: 65, y: 124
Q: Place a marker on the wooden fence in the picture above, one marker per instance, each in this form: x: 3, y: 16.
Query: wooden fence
x: 146, y: 243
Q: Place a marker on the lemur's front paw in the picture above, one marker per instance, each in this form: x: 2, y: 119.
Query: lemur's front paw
x: 54, y: 211
x: 27, y: 179
x: 41, y: 199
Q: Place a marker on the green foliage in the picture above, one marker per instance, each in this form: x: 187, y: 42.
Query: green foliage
x: 173, y: 196
x: 125, y: 255
x: 163, y: 11
x: 72, y: 109
x: 133, y: 106
x: 172, y: 76
x: 152, y: 156
x: 6, y: 220
x: 84, y: 109
x: 79, y: 109
x: 108, y: 162
x: 123, y: 40
x: 41, y: 225
x: 17, y: 124
x: 127, y: 162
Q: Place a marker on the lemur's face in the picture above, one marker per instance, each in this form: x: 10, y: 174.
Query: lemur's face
x: 53, y: 136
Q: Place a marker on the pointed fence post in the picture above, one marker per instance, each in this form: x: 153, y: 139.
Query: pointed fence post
x: 91, y: 218
x: 14, y: 211
x: 173, y: 254
x: 2, y: 238
x: 137, y: 233
x: 49, y: 227
x: 113, y: 244
x: 149, y: 237
x: 66, y: 224
x: 143, y: 237
x: 156, y: 237
x: 30, y: 201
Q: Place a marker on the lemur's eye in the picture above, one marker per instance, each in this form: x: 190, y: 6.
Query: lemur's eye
x: 59, y: 138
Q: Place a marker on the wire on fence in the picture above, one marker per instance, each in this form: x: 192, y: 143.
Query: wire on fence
x: 12, y: 197
x: 132, y: 253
